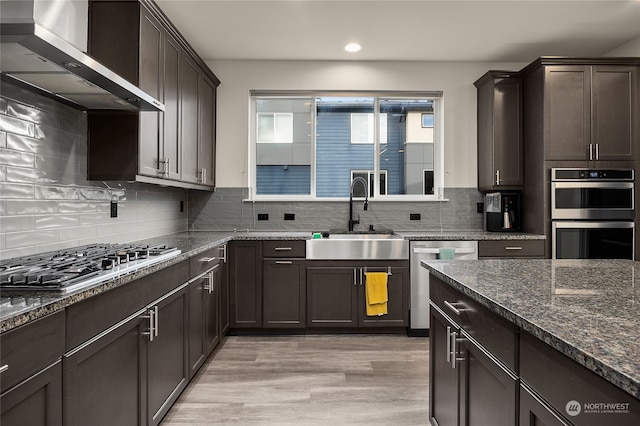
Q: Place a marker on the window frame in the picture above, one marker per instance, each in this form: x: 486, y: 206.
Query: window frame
x: 439, y: 141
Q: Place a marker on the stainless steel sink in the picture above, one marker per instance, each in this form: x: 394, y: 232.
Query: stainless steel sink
x: 376, y: 246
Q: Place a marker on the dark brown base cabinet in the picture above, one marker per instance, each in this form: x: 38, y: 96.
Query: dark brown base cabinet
x: 245, y: 276
x: 36, y: 401
x: 336, y: 295
x: 443, y: 378
x: 105, y: 379
x: 535, y: 412
x: 284, y: 292
x: 225, y: 319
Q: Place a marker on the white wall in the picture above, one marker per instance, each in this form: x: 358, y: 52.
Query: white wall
x: 455, y: 79
x: 631, y: 48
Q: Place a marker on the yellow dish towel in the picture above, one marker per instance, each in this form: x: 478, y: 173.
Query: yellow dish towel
x: 377, y: 296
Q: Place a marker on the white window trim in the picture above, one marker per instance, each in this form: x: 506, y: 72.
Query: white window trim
x: 439, y: 140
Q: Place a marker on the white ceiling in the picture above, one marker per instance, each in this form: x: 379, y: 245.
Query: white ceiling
x: 419, y: 30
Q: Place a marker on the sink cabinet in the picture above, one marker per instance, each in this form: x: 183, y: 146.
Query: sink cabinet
x: 175, y: 147
x: 336, y: 294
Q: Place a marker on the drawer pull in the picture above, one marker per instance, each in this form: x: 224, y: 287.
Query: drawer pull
x: 4, y: 368
x: 451, y: 306
x: 513, y: 248
x: 283, y: 249
x: 284, y: 262
x: 207, y: 259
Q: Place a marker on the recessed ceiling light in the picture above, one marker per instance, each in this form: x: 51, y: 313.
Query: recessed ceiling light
x: 352, y: 47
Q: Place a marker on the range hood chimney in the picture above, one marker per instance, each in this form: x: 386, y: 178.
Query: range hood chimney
x: 34, y: 57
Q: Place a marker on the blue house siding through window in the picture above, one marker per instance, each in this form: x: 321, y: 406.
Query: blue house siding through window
x: 284, y: 179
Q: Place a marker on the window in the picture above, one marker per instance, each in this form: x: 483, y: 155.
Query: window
x: 368, y: 176
x: 362, y: 126
x: 310, y: 145
x: 275, y: 128
x: 427, y: 120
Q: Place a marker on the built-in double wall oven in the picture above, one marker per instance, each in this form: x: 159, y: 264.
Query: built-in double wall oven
x: 592, y: 213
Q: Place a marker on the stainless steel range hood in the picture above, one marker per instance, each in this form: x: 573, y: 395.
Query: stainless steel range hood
x: 34, y: 57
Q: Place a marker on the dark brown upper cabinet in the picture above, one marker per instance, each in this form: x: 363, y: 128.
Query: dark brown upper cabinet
x: 500, y: 157
x: 590, y: 112
x: 175, y: 147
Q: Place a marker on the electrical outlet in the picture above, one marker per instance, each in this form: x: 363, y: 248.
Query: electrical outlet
x: 114, y: 209
x: 289, y: 216
x: 414, y: 216
x: 263, y: 216
x: 480, y: 207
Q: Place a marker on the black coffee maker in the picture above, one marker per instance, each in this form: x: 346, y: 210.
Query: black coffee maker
x: 503, y: 212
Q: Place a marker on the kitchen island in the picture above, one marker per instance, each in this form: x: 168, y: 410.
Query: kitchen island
x: 581, y: 313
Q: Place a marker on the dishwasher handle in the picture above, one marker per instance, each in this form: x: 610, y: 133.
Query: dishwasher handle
x: 457, y: 250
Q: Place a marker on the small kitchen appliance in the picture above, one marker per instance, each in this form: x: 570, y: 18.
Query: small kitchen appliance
x: 502, y: 212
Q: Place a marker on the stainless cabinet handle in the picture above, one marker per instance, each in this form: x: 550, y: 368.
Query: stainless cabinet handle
x: 167, y: 169
x: 497, y: 177
x: 590, y: 151
x: 283, y: 249
x: 209, y: 280
x: 284, y: 262
x: 155, y: 318
x: 597, y: 151
x: 448, y: 343
x: 454, y: 352
x: 361, y: 276
x: 207, y: 259
x: 151, y: 333
x: 203, y: 175
x: 453, y: 308
x: 4, y: 368
x: 224, y: 253
x: 354, y: 277
x: 513, y: 248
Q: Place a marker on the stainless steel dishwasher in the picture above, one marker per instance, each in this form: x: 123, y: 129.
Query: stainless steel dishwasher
x: 429, y: 250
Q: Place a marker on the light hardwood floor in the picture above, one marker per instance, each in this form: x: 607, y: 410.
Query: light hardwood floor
x: 309, y: 380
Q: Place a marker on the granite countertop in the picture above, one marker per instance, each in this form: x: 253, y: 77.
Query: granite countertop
x: 586, y: 309
x: 18, y: 308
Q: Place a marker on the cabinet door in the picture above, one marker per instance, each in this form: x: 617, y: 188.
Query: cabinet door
x: 246, y: 284
x: 534, y: 412
x: 170, y: 128
x: 189, y: 120
x: 35, y: 402
x: 614, y: 111
x: 488, y: 391
x: 151, y: 74
x: 197, y: 313
x: 284, y: 292
x: 567, y: 112
x: 168, y: 368
x: 105, y: 380
x: 332, y: 297
x: 507, y: 148
x: 224, y: 293
x: 443, y: 377
x: 397, y: 306
x: 207, y: 135
x: 212, y: 310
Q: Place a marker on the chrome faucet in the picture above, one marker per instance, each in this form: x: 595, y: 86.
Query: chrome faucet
x: 366, y: 200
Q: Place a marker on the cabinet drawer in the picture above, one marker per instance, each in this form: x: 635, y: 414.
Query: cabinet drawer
x: 204, y: 261
x: 511, y: 248
x: 96, y: 314
x: 496, y: 334
x: 31, y: 347
x: 285, y: 248
x: 559, y: 379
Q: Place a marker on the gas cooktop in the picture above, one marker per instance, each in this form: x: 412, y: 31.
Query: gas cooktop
x: 79, y: 267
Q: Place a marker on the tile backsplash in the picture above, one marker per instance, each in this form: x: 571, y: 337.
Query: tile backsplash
x: 46, y: 201
x: 226, y: 210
